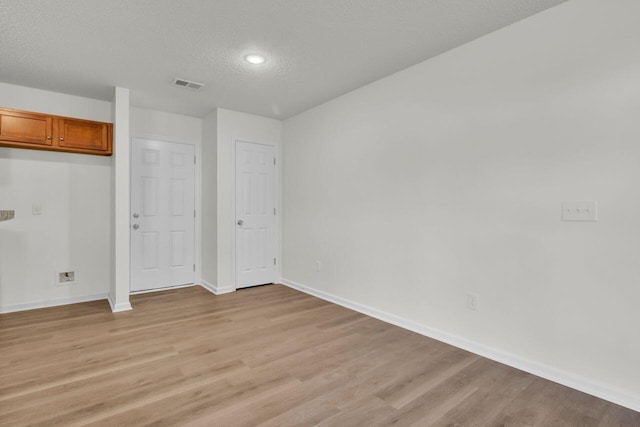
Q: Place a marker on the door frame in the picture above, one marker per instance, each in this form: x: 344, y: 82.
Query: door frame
x: 276, y: 179
x: 197, y: 150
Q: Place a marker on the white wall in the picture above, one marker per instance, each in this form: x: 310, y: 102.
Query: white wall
x: 75, y: 192
x: 121, y: 200
x: 209, y: 198
x: 147, y: 123
x: 233, y: 126
x: 447, y: 178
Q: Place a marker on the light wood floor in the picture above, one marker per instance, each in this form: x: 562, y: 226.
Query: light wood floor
x: 264, y: 356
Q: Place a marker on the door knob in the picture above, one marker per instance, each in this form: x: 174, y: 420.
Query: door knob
x: 240, y: 222
x: 136, y: 226
x: 135, y: 215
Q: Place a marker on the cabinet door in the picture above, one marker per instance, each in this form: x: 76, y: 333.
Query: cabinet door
x: 84, y: 135
x: 25, y: 128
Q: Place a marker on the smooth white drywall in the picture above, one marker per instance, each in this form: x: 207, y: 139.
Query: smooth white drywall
x: 74, y: 230
x: 60, y: 104
x: 235, y: 126
x: 209, y: 198
x: 121, y: 177
x: 147, y: 123
x: 447, y: 179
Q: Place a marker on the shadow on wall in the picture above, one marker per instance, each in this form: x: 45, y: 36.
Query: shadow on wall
x: 50, y: 157
x: 13, y: 247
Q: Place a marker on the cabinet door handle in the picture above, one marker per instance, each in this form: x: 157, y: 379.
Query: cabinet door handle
x: 61, y: 139
x: 48, y: 136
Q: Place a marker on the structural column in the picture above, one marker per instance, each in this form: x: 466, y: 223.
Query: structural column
x: 120, y: 169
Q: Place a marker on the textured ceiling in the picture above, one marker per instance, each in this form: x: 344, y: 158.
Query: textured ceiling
x: 315, y: 49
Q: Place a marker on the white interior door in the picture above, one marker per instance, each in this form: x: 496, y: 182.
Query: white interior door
x: 255, y: 214
x: 162, y: 214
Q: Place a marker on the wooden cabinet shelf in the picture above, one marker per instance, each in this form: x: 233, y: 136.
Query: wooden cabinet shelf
x: 23, y: 129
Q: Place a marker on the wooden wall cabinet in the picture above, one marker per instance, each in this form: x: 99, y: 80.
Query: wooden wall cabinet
x: 23, y: 129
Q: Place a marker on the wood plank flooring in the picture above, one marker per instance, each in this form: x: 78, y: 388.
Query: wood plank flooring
x: 268, y: 356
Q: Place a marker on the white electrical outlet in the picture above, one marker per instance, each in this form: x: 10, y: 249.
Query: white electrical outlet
x: 36, y: 209
x: 473, y: 302
x: 318, y: 266
x: 579, y: 211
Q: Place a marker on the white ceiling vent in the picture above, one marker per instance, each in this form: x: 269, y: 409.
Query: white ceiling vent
x: 187, y: 83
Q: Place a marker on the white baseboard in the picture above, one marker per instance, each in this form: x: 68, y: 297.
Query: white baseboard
x: 565, y: 378
x: 208, y: 286
x: 116, y: 308
x: 52, y: 303
x: 215, y: 289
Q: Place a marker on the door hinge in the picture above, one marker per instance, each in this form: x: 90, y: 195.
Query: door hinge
x: 194, y: 267
x: 274, y: 161
x: 274, y: 261
x: 194, y: 213
x: 194, y: 160
x: 274, y: 211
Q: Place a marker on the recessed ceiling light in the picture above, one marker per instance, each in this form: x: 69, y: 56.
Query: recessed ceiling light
x: 255, y: 59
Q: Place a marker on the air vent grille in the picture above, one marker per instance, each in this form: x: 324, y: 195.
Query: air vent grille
x: 187, y: 83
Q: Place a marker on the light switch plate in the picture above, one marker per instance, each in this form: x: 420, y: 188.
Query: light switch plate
x: 36, y: 209
x: 580, y: 211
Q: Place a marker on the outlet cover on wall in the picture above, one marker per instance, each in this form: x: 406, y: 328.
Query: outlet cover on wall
x: 580, y: 211
x: 66, y: 277
x: 36, y: 209
x: 473, y: 302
